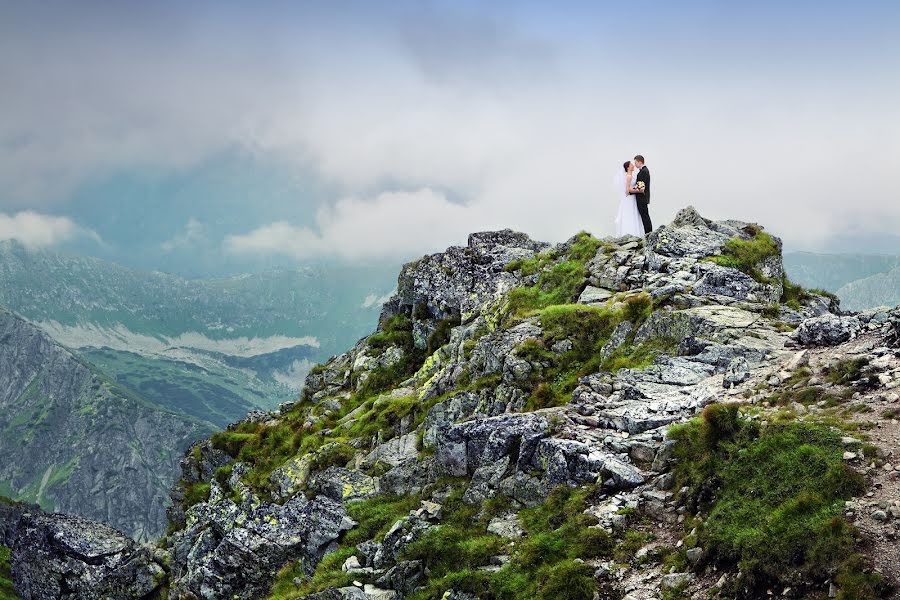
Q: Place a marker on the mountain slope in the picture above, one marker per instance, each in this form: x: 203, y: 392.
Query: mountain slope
x: 861, y: 281
x: 74, y: 441
x: 249, y: 336
x: 881, y: 289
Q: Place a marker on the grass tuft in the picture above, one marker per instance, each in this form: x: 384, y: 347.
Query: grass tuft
x: 774, y: 497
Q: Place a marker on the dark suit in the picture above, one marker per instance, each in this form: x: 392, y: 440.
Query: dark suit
x: 644, y: 199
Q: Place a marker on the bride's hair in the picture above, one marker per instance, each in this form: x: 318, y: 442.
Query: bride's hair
x: 625, y: 166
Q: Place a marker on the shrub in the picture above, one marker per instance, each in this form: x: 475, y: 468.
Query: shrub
x: 441, y: 333
x: 848, y: 371
x: 720, y: 423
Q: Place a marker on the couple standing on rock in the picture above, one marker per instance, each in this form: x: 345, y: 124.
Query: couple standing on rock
x: 634, y: 199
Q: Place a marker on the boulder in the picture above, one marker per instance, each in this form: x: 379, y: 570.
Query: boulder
x: 827, y: 330
x: 66, y: 557
x: 228, y: 550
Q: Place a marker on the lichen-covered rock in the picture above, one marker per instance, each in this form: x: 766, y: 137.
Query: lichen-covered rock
x: 724, y: 281
x: 67, y: 557
x: 691, y: 236
x: 460, y: 280
x: 827, y: 330
x: 227, y: 550
x: 344, y: 485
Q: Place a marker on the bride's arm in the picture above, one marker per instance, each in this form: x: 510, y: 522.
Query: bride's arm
x: 628, y: 189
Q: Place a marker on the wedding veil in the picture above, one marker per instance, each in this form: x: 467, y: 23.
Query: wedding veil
x: 619, y: 182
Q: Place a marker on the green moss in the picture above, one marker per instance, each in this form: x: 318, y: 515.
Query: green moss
x: 196, y: 493
x: 559, y: 281
x: 746, y: 255
x: 774, y: 496
x: 374, y: 516
x: 640, y: 356
x: 7, y: 591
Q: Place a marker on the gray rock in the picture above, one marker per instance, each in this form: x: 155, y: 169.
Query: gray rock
x: 506, y: 526
x: 738, y: 372
x: 405, y: 577
x: 594, y: 295
x: 461, y: 280
x: 232, y: 551
x: 67, y: 557
x: 716, y: 280
x: 619, y: 336
x: 827, y: 330
x: 345, y: 593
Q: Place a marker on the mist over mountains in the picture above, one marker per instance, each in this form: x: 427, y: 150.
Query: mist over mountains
x: 860, y: 280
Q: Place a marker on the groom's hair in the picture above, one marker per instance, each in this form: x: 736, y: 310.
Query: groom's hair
x: 639, y: 158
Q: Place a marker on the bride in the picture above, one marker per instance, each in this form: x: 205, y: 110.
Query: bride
x: 628, y: 220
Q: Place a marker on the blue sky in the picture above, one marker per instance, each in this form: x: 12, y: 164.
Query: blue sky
x: 211, y: 137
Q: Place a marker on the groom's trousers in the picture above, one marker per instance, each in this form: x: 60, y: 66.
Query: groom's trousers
x: 644, y: 209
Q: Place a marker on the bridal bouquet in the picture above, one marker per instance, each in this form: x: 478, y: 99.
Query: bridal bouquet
x: 640, y: 186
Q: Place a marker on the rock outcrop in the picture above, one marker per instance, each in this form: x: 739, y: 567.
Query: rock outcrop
x: 62, y: 556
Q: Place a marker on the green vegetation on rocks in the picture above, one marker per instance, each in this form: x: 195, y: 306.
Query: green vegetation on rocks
x: 774, y: 496
x: 560, y: 278
x: 7, y: 591
x: 746, y: 254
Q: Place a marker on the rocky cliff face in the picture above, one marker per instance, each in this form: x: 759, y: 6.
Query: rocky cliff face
x: 75, y: 442
x: 617, y: 418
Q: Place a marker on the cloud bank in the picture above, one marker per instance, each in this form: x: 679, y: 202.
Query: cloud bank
x: 37, y: 230
x: 430, y: 120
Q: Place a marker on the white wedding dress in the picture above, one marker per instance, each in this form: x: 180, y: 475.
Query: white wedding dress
x: 628, y: 219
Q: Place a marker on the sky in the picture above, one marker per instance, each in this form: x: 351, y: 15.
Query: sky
x: 213, y: 137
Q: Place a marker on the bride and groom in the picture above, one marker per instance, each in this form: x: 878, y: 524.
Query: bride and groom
x: 633, y: 188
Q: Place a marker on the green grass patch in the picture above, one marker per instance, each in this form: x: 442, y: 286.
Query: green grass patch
x: 542, y: 564
x: 7, y: 591
x: 746, y: 255
x: 774, y: 497
x: 852, y: 371
x: 560, y: 279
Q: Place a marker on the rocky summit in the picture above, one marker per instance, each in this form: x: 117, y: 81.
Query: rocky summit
x: 655, y: 418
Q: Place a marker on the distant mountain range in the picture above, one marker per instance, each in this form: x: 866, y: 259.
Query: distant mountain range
x: 164, y: 359
x: 74, y: 441
x: 255, y: 336
x: 860, y: 280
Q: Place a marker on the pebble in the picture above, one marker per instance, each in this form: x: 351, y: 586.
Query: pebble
x: 880, y: 515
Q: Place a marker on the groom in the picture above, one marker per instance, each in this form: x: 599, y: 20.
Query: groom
x: 643, y: 199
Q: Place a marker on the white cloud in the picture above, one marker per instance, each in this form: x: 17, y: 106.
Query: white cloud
x: 393, y: 224
x: 375, y: 301
x: 36, y: 230
x: 192, y: 233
